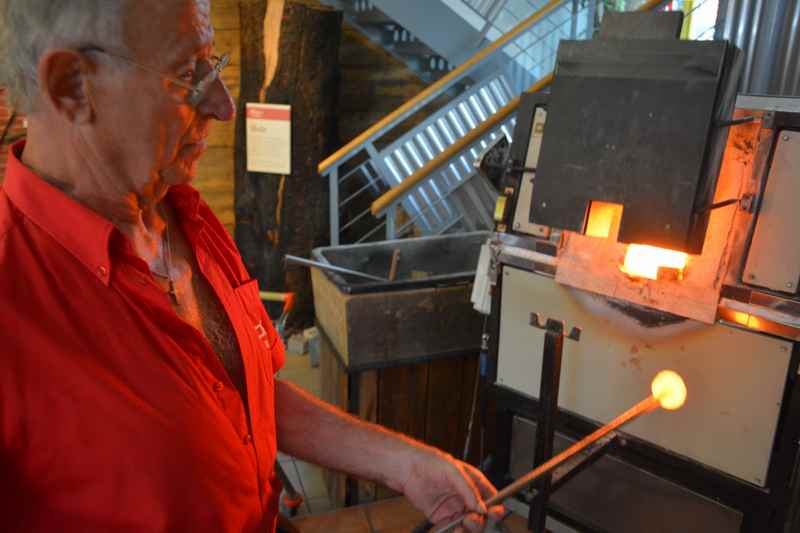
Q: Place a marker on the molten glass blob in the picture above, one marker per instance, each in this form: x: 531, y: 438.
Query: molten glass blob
x: 643, y: 261
x: 669, y: 389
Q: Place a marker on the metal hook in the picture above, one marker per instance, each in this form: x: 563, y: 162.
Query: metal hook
x: 554, y: 326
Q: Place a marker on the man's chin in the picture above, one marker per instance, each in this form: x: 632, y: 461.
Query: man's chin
x: 184, y: 168
x: 181, y: 173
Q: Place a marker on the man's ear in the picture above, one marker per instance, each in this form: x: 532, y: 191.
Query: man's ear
x: 64, y: 83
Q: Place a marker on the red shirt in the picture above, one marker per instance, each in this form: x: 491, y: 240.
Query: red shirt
x: 115, y: 414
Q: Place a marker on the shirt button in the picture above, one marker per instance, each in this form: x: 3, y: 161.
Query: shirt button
x: 248, y: 440
x: 218, y: 387
x: 103, y: 271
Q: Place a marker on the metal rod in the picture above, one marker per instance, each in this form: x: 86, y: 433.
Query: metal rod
x: 645, y: 406
x: 394, y: 265
x: 718, y: 205
x: 735, y: 122
x: 273, y: 296
x: 333, y: 206
x: 325, y: 266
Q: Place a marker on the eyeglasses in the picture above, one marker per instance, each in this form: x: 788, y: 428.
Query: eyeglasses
x: 197, y: 89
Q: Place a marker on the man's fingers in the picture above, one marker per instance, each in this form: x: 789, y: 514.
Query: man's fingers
x: 474, y: 523
x: 467, y: 490
x: 497, y: 512
x: 485, y: 488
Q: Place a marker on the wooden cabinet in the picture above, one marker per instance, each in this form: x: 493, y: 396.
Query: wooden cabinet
x: 429, y: 399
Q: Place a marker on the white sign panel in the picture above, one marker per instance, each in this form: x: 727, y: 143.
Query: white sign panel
x: 269, y: 138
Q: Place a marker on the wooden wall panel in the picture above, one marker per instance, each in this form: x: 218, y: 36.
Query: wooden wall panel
x: 374, y: 83
x: 442, y: 421
x: 225, y: 14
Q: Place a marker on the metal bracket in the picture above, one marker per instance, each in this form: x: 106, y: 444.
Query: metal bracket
x: 555, y: 326
x: 768, y: 120
x: 495, y: 248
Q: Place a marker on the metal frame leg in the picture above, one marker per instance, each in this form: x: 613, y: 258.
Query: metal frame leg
x: 351, y: 496
x: 548, y: 409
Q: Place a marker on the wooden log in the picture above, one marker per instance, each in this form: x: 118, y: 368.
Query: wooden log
x: 277, y: 214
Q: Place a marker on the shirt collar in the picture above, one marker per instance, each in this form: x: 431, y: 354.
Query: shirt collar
x: 81, y: 231
x: 186, y: 201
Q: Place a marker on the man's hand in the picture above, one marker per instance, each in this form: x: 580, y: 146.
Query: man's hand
x: 438, y: 485
x: 445, y: 488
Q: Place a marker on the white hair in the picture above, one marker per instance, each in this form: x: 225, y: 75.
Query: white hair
x: 28, y: 28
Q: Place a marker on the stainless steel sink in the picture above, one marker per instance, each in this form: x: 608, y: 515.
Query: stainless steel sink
x: 424, y: 262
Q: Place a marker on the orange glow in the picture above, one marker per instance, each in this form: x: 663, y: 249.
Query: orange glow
x: 669, y: 389
x: 741, y: 318
x: 643, y: 261
x: 747, y: 320
x: 603, y: 218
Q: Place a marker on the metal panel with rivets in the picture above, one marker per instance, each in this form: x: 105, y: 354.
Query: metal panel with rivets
x: 774, y: 257
x: 521, y: 222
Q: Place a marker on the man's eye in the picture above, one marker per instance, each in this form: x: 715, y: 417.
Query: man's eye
x: 187, y: 76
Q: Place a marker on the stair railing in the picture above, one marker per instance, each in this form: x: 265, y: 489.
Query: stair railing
x: 387, y: 204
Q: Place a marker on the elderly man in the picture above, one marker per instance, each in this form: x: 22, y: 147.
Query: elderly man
x: 137, y: 388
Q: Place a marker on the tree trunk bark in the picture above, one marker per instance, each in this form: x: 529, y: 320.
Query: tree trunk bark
x: 276, y: 214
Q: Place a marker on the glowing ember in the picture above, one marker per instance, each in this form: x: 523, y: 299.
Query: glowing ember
x: 741, y: 318
x: 669, y: 389
x: 642, y: 261
x: 747, y: 320
x: 603, y: 219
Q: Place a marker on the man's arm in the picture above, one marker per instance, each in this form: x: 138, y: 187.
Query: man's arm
x: 437, y: 484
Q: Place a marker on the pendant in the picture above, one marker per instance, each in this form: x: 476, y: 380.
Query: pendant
x: 173, y: 293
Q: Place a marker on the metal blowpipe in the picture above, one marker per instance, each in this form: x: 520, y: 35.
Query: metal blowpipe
x: 325, y: 266
x: 668, y: 392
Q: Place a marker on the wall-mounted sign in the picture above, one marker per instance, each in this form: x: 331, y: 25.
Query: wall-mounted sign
x: 269, y: 138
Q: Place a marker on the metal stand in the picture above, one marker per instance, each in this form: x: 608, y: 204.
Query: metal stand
x: 548, y: 410
x: 351, y: 495
x: 291, y: 500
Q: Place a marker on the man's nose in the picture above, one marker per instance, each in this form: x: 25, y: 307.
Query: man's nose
x: 217, y: 102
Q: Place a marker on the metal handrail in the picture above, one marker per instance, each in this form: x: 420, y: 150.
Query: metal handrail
x: 435, y: 89
x: 395, y: 194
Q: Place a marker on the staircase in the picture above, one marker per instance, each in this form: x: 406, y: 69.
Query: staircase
x: 433, y: 140
x: 391, y: 35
